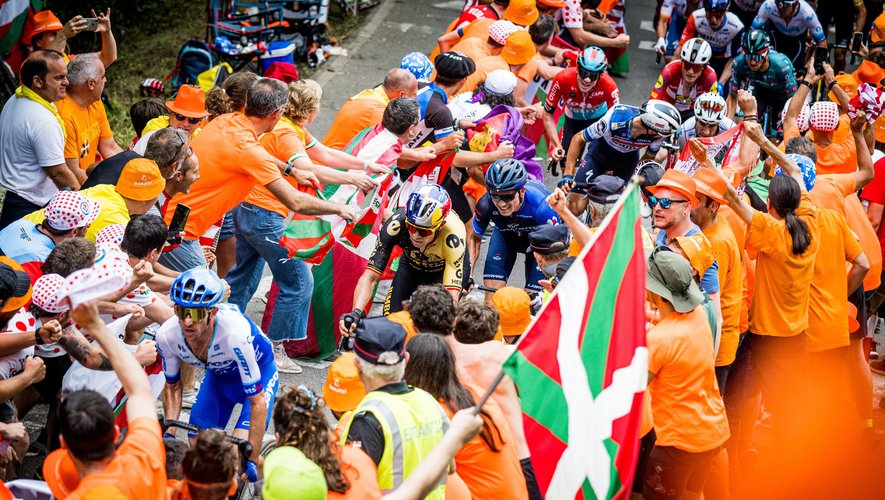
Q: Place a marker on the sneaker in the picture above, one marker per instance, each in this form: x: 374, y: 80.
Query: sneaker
x: 284, y: 362
x: 188, y: 398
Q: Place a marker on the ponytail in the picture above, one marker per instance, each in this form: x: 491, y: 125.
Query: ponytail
x: 784, y: 195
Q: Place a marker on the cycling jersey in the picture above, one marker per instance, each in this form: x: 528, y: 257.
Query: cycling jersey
x: 613, y: 129
x: 804, y: 21
x: 533, y: 212
x: 475, y: 12
x: 436, y: 119
x: 564, y: 91
x: 444, y: 254
x: 687, y: 130
x: 670, y: 7
x: 670, y: 87
x: 724, y: 41
x: 778, y: 79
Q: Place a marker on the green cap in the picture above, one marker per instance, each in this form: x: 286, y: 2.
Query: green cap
x: 670, y: 276
x: 290, y: 475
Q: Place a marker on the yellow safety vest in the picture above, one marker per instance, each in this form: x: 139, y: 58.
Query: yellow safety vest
x: 413, y: 424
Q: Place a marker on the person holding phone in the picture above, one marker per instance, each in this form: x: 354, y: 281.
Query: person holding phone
x: 48, y: 33
x: 849, y: 25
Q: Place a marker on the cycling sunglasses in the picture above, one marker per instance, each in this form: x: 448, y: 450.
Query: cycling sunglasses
x: 697, y: 68
x: 506, y: 198
x: 196, y: 314
x: 589, y: 75
x: 181, y: 118
x: 757, y: 57
x: 420, y: 231
x: 665, y: 202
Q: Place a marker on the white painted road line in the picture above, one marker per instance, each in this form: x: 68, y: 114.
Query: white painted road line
x: 453, y: 5
x: 647, y: 26
x: 646, y: 45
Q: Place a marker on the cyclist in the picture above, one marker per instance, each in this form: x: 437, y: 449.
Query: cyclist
x: 614, y: 142
x: 709, y: 119
x: 431, y: 237
x: 766, y: 73
x: 835, y: 12
x: 586, y: 92
x: 516, y: 206
x: 721, y: 29
x: 791, y: 21
x: 746, y: 10
x: 682, y: 81
x: 237, y: 356
x: 674, y: 15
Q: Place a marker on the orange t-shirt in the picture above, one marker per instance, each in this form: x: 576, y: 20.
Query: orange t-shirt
x: 483, y: 67
x: 477, y: 29
x: 358, y: 113
x: 530, y: 70
x: 727, y: 253
x: 783, y: 280
x: 286, y: 140
x: 360, y: 470
x: 840, y: 157
x: 684, y: 388
x: 232, y: 162
x: 84, y: 129
x: 828, y: 301
x: 473, y: 47
x: 490, y: 474
x: 138, y: 469
x: 404, y: 319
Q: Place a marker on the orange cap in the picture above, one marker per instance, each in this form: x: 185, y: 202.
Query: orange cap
x: 678, y: 181
x: 710, y: 184
x: 343, y: 389
x: 521, y: 12
x: 698, y: 250
x: 190, y: 102
x: 16, y: 303
x: 518, y: 48
x: 60, y: 474
x: 515, y: 308
x: 141, y: 180
x: 553, y: 3
x: 853, y: 324
x: 878, y: 29
x: 41, y: 22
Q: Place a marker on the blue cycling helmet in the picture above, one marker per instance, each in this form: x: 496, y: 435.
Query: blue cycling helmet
x: 716, y: 5
x: 808, y: 168
x: 417, y: 64
x: 197, y: 288
x: 428, y: 207
x: 508, y: 174
x: 593, y: 59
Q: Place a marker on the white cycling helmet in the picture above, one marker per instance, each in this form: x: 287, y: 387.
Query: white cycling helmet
x: 710, y: 108
x: 660, y: 116
x: 696, y: 51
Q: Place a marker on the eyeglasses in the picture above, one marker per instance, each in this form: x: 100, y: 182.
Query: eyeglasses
x: 589, y: 75
x: 196, y: 314
x: 506, y: 198
x: 182, y: 118
x: 184, y: 152
x: 697, y: 68
x: 665, y: 202
x: 420, y: 231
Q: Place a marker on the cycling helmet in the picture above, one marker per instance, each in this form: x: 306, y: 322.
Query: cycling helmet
x: 716, y: 5
x: 593, y: 59
x: 696, y: 51
x: 428, y: 207
x: 756, y: 42
x: 508, y: 174
x: 197, y: 287
x: 650, y: 173
x: 710, y: 108
x: 659, y: 116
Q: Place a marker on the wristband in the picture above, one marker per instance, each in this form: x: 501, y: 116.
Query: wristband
x: 806, y: 83
x: 831, y: 85
x: 288, y: 170
x: 37, y: 338
x: 750, y: 118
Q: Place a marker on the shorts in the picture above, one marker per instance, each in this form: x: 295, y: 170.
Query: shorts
x: 670, y: 472
x: 501, y: 257
x: 600, y: 158
x: 674, y: 33
x: 50, y: 386
x: 219, y: 394
x: 407, y: 279
x: 841, y: 16
x: 227, y: 226
x: 570, y: 127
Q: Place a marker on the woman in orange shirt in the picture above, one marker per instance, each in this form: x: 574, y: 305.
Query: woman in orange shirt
x: 488, y: 463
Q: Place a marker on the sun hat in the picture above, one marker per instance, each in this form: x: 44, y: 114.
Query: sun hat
x: 677, y: 181
x: 454, y: 65
x: 190, y: 101
x: 824, y: 116
x: 698, y: 250
x: 710, y: 184
x: 42, y: 22
x: 69, y: 210
x: 343, y: 389
x: 501, y: 29
x: 669, y: 275
x: 500, y: 82
x: 518, y: 48
x: 290, y: 475
x: 141, y: 180
x: 60, y: 474
x: 15, y: 285
x: 45, y: 293
x: 521, y: 12
x: 515, y: 307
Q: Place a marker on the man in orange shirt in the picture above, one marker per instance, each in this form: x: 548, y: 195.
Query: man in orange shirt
x: 135, y: 469
x: 518, y: 51
x: 232, y: 162
x: 86, y: 123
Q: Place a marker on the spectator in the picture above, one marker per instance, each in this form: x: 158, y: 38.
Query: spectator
x: 515, y: 308
x: 32, y: 135
x: 141, y: 113
x: 15, y: 293
x: 343, y: 389
x: 476, y: 47
x: 287, y: 469
x: 186, y: 112
x: 476, y: 322
x: 143, y: 242
x: 209, y: 467
x: 68, y: 256
x: 87, y: 131
x: 49, y: 34
x: 518, y: 51
x: 550, y: 245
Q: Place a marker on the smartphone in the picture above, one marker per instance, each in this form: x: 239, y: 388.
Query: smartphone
x: 856, y: 41
x: 176, y: 226
x: 821, y: 55
x: 91, y: 23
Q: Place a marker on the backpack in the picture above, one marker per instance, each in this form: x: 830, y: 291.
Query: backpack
x: 214, y: 76
x: 194, y: 57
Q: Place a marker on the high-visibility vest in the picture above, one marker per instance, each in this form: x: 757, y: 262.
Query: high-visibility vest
x: 413, y: 424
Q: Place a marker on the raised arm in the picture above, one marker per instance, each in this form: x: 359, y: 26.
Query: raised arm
x: 864, y: 173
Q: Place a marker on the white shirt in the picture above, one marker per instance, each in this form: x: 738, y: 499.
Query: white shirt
x: 31, y: 139
x: 141, y: 145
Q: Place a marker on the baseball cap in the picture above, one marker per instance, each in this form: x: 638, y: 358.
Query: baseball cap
x: 454, y: 65
x: 824, y: 116
x: 518, y: 48
x: 60, y: 474
x: 343, y: 389
x: 45, y: 294
x: 669, y: 275
x: 698, y: 250
x: 521, y: 12
x: 501, y: 29
x: 515, y: 308
x: 70, y: 210
x: 141, y: 180
x: 15, y: 285
x: 605, y: 189
x: 677, y: 181
x: 500, y: 82
x: 710, y: 184
x: 548, y: 239
x: 290, y: 475
x: 190, y: 101
x: 375, y: 336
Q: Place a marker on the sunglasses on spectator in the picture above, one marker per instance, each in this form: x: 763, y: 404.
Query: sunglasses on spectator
x: 196, y: 314
x: 665, y: 202
x: 588, y: 75
x: 181, y: 118
x: 506, y: 198
x: 420, y: 231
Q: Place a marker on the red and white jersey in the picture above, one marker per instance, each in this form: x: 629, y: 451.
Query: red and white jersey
x: 564, y: 91
x: 672, y: 89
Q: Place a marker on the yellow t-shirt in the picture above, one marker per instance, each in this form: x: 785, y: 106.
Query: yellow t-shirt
x: 162, y: 122
x: 84, y: 129
x: 113, y: 209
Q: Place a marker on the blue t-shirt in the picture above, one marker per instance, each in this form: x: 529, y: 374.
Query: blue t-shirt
x: 23, y: 243
x: 534, y: 212
x: 710, y: 279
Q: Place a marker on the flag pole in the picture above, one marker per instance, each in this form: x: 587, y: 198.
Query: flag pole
x: 489, y: 391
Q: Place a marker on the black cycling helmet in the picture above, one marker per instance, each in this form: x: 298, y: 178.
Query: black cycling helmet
x: 650, y: 173
x: 508, y: 174
x: 756, y: 42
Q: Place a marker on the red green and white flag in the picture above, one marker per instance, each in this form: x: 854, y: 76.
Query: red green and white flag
x: 13, y: 21
x: 582, y: 366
